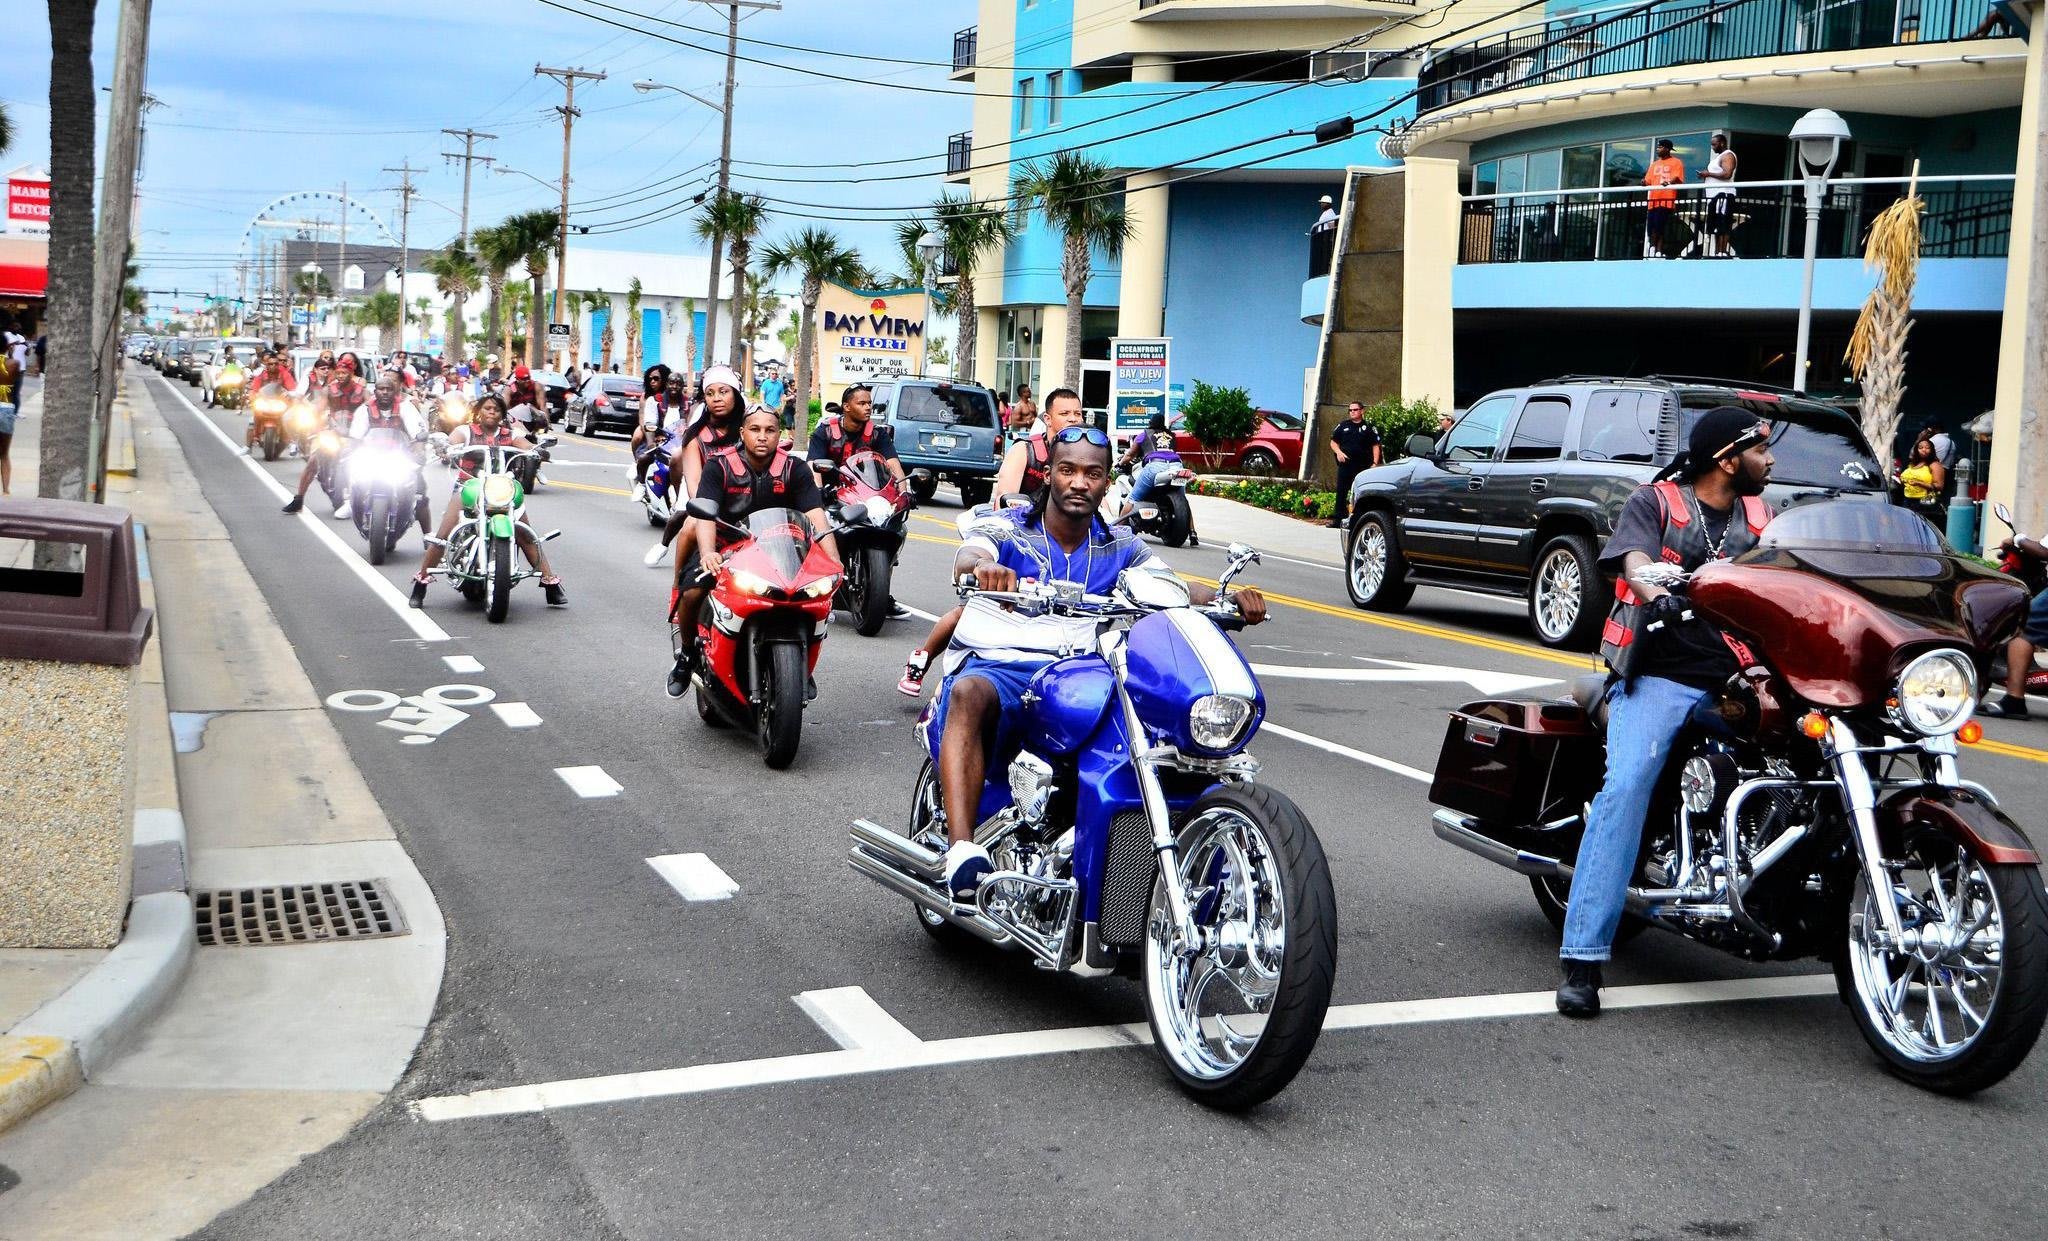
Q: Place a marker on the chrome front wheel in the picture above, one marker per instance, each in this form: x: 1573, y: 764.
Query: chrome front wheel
x: 1236, y: 1012
x: 1375, y: 571
x: 1958, y: 1004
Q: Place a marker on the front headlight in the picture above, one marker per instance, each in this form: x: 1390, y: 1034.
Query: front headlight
x: 1937, y: 693
x: 820, y: 588
x: 228, y: 381
x: 751, y: 583
x: 879, y: 510
x: 499, y: 492
x: 1217, y: 721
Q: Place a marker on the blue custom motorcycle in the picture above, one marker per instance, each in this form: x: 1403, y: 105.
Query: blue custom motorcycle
x: 1130, y: 836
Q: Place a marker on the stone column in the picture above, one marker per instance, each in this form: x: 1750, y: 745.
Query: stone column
x: 1141, y: 288
x: 1429, y: 246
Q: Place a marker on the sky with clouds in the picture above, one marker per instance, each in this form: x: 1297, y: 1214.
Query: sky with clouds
x: 261, y: 100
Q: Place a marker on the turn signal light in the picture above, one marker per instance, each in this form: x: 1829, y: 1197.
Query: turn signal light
x: 1970, y: 733
x: 1814, y: 725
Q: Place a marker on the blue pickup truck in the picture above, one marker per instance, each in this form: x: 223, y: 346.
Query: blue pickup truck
x: 944, y: 430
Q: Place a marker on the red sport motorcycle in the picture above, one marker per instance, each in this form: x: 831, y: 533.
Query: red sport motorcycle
x: 874, y: 519
x: 1814, y: 807
x: 759, y: 630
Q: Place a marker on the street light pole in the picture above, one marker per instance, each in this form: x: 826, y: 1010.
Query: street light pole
x: 929, y: 247
x: 568, y: 78
x: 1817, y: 138
x: 724, y: 169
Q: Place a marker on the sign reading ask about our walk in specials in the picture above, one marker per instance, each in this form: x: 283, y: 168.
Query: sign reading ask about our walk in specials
x: 867, y: 334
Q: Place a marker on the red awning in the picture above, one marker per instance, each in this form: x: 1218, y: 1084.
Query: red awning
x: 17, y: 281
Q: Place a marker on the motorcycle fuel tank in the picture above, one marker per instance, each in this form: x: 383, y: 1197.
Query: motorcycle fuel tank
x: 1071, y: 695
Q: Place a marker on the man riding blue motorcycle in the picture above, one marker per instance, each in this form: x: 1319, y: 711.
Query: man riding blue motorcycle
x: 981, y: 699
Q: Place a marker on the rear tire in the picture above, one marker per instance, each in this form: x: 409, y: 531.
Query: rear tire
x: 781, y: 720
x: 1176, y: 522
x: 1375, y: 571
x: 1564, y: 594
x: 975, y: 493
x: 378, y: 526
x: 927, y: 827
x: 871, y: 606
x: 498, y: 591
x: 273, y: 444
x: 1242, y: 843
x: 924, y: 489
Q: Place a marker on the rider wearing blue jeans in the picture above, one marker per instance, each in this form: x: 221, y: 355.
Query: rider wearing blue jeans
x: 1160, y: 458
x: 1662, y: 669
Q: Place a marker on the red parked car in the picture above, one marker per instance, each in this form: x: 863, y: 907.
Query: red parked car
x: 1274, y: 448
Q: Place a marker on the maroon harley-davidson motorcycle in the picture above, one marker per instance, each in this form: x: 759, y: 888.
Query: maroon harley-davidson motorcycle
x: 1815, y: 808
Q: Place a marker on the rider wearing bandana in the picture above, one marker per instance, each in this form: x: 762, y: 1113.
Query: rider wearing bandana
x: 977, y: 707
x: 1662, y: 668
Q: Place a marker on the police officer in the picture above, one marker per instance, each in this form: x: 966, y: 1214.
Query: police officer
x: 1356, y: 444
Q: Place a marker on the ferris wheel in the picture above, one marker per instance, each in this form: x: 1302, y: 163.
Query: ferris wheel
x: 314, y: 215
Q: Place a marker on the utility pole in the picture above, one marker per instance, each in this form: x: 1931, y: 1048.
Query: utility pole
x: 568, y: 78
x: 468, y: 158
x: 341, y: 269
x: 732, y: 55
x: 405, y: 197
x: 117, y: 220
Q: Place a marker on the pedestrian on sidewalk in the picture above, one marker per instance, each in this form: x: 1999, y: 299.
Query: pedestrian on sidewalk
x: 13, y: 369
x: 1356, y: 445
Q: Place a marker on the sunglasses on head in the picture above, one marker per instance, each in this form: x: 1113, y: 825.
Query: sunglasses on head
x: 1075, y: 435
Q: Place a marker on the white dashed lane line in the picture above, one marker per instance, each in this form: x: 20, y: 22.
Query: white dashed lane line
x: 463, y: 663
x: 589, y: 781
x: 694, y: 876
x: 854, y: 1020
x: 515, y: 715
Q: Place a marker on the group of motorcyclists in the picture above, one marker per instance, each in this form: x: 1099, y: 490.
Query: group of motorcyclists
x: 702, y: 441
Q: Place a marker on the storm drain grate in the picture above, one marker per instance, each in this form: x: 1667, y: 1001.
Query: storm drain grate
x: 301, y: 913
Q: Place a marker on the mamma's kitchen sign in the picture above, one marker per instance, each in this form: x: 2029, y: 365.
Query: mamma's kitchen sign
x: 865, y: 335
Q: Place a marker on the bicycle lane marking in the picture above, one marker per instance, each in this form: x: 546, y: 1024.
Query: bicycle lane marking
x: 414, y: 619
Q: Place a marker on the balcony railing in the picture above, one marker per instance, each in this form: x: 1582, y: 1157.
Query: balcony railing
x: 1966, y: 217
x: 964, y: 44
x: 1322, y: 248
x: 1666, y: 33
x: 959, y: 153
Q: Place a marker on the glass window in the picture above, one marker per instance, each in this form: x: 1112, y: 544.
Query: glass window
x: 1539, y: 432
x: 1052, y: 99
x: 1620, y: 426
x: 1627, y: 162
x: 1513, y: 174
x: 1478, y: 432
x: 1543, y: 169
x: 1486, y: 177
x: 1816, y: 445
x: 1026, y: 98
x: 1581, y: 167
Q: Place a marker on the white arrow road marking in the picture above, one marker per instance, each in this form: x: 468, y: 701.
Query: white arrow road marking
x: 1484, y: 682
x: 854, y: 1020
x: 695, y: 876
x: 707, y: 1078
x: 463, y: 663
x: 589, y: 781
x: 515, y: 715
x: 1345, y: 751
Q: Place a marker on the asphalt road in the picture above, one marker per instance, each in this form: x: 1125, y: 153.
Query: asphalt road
x: 571, y: 958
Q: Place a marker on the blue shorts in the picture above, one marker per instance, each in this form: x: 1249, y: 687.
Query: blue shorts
x: 2037, y: 620
x: 7, y: 412
x: 1009, y: 680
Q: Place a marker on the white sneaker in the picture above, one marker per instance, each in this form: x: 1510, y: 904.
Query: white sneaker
x: 655, y: 555
x: 341, y: 514
x: 966, y: 865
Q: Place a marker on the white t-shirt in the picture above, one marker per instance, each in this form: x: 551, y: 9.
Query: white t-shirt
x: 1722, y: 165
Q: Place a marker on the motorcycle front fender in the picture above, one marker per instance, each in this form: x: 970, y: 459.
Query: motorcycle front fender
x: 1973, y: 822
x: 501, y: 525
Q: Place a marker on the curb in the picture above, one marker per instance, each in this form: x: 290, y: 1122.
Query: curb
x: 61, y: 1045
x: 121, y: 438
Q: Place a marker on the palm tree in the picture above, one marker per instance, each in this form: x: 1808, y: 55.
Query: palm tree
x: 578, y: 303
x: 607, y: 337
x: 736, y: 217
x: 969, y: 232
x: 690, y: 334
x: 790, y: 331
x: 68, y: 397
x: 381, y: 310
x: 633, y: 325
x: 816, y: 255
x: 311, y: 286
x: 6, y: 131
x: 496, y: 251
x: 754, y: 308
x: 538, y: 233
x: 455, y: 275
x: 1084, y: 205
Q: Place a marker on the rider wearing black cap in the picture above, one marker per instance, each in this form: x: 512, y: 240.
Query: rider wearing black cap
x: 1660, y: 668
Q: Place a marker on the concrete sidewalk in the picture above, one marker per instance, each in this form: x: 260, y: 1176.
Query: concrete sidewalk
x: 1221, y: 521
x: 269, y: 1053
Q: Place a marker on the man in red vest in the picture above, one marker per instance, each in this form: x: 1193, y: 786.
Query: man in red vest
x: 1661, y: 669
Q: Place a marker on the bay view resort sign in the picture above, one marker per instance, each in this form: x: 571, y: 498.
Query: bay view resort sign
x: 865, y: 335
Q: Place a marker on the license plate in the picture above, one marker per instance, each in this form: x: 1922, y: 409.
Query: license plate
x: 629, y: 406
x: 945, y: 441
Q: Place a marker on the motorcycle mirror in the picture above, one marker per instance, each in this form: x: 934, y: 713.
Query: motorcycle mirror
x: 825, y: 469
x: 1014, y: 499
x: 1152, y: 587
x: 831, y: 407
x: 1245, y: 552
x: 438, y: 439
x: 2004, y: 513
x: 702, y: 510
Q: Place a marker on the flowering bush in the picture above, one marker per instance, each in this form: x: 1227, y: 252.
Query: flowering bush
x: 1287, y: 496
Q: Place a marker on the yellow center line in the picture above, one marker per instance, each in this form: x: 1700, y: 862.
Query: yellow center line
x: 609, y: 491
x: 2009, y: 750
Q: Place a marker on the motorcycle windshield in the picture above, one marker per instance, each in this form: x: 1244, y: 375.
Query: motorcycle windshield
x: 781, y: 540
x: 867, y: 469
x: 1848, y: 539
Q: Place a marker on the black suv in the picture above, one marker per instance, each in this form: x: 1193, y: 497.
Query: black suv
x: 1518, y: 496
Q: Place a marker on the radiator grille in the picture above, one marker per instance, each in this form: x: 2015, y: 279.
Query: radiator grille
x: 1127, y: 878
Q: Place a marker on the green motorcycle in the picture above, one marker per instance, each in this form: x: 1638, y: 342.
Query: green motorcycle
x: 481, y: 560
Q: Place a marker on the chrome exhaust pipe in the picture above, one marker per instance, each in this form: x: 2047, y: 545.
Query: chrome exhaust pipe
x: 1454, y: 828
x: 901, y: 851
x: 925, y: 896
